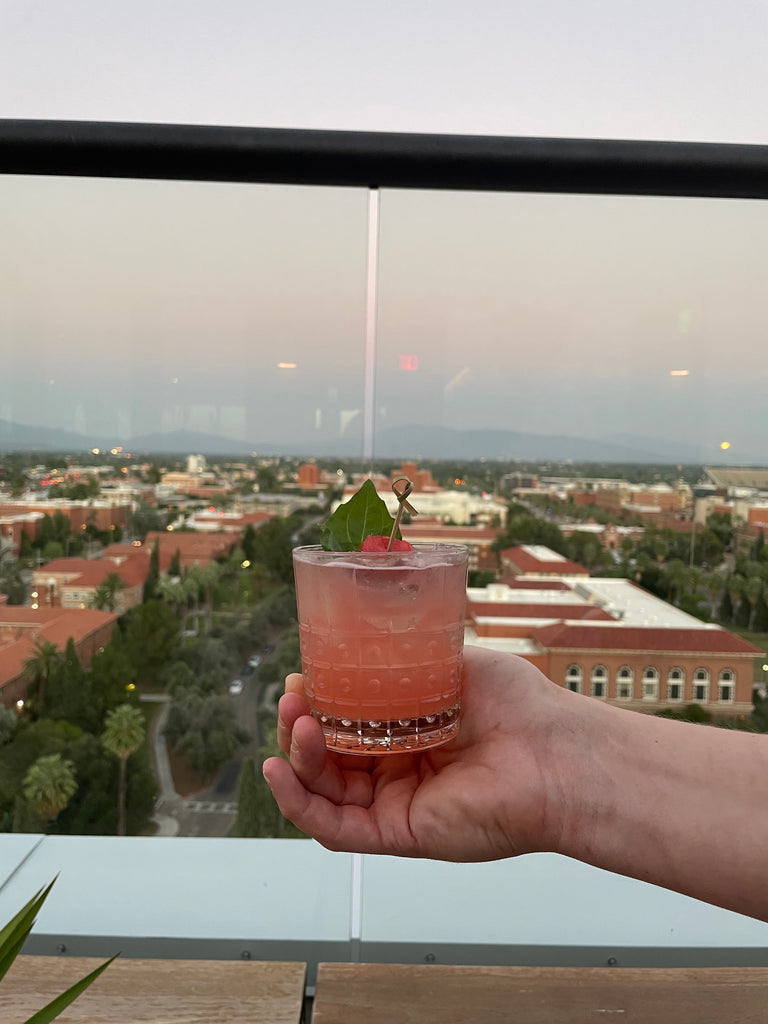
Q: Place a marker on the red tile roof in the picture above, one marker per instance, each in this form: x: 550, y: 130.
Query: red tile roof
x: 523, y: 610
x: 56, y: 625
x: 519, y: 583
x: 560, y: 636
x: 525, y: 561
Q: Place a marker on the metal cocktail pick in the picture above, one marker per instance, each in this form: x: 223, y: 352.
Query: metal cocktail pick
x: 402, y: 503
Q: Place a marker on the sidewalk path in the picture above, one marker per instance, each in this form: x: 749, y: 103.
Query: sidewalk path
x: 167, y: 823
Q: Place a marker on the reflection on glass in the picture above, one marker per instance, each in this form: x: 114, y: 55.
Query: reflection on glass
x: 168, y: 314
x: 596, y: 327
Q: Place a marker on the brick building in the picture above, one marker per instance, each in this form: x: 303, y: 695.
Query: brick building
x: 73, y: 582
x: 611, y: 640
x: 478, y: 539
x: 193, y: 548
x: 21, y: 628
x: 537, y: 560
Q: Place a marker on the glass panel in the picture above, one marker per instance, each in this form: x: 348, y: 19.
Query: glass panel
x: 220, y: 318
x: 548, y: 328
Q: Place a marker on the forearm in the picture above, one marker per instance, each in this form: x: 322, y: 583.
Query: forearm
x: 678, y: 805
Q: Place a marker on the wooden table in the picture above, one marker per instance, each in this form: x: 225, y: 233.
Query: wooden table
x: 158, y: 991
x: 442, y: 994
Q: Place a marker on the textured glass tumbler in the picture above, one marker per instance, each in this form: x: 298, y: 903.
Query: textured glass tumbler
x: 382, y: 636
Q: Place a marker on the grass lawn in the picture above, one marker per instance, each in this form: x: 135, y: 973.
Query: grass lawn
x: 759, y: 640
x: 187, y: 780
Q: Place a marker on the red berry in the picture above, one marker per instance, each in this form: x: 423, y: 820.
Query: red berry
x: 374, y: 543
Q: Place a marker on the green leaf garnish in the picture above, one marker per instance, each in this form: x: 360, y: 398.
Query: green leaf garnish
x: 364, y: 514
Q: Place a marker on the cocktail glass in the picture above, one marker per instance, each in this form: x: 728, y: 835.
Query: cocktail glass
x: 382, y: 636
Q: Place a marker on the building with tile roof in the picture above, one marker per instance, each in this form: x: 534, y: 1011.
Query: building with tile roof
x: 22, y: 627
x: 537, y: 560
x: 73, y: 582
x: 612, y: 640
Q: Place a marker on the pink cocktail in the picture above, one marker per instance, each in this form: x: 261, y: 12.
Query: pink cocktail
x: 382, y: 636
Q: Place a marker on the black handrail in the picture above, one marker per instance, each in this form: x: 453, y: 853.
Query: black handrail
x: 383, y: 159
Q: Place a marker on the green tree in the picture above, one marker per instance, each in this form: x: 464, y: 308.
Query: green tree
x: 757, y: 552
x: 49, y: 785
x: 714, y: 586
x: 105, y: 596
x: 68, y: 694
x: 677, y: 578
x: 273, y: 549
x: 123, y: 735
x: 112, y: 676
x: 12, y: 583
x: 8, y: 722
x: 153, y: 575
x: 753, y: 589
x: 248, y: 821
x: 203, y: 727
x: 152, y: 635
x: 38, y: 668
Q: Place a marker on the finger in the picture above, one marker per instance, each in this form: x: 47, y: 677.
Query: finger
x: 294, y: 683
x: 320, y: 772
x: 290, y: 707
x: 349, y: 828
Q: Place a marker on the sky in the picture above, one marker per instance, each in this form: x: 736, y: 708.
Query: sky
x: 137, y: 307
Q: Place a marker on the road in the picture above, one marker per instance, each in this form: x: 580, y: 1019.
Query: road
x: 212, y: 811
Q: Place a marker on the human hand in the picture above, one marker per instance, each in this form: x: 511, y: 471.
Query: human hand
x: 492, y: 792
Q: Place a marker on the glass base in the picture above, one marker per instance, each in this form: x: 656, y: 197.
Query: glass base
x: 401, y: 736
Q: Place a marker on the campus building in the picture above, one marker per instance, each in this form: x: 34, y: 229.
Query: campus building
x: 22, y: 628
x: 612, y: 640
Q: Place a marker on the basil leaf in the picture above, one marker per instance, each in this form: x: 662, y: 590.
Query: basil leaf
x: 364, y: 514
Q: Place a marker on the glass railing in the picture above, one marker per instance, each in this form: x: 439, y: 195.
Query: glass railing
x: 194, y: 318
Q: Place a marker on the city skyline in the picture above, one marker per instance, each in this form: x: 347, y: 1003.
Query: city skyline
x: 238, y: 311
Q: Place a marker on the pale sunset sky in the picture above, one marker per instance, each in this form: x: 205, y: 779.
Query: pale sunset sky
x: 135, y: 307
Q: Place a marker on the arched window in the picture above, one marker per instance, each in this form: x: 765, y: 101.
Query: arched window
x: 701, y: 686
x: 573, y: 678
x: 599, y: 680
x: 675, y: 684
x: 650, y: 684
x: 726, y: 687
x: 625, y: 683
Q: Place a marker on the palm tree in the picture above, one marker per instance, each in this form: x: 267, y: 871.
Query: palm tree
x: 105, y: 596
x: 123, y: 735
x: 49, y: 785
x: 753, y: 589
x: 39, y: 667
x: 714, y: 584
x: 177, y: 592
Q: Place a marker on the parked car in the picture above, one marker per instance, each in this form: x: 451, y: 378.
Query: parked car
x: 236, y: 687
x: 254, y: 661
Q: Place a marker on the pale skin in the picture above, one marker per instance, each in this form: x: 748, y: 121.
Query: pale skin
x: 538, y: 768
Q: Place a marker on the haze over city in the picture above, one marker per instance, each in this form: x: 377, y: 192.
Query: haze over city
x: 136, y: 308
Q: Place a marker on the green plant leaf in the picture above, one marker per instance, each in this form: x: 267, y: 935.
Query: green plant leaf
x: 14, y: 934
x: 54, y: 1008
x: 363, y: 515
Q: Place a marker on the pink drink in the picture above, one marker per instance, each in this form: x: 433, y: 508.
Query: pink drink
x: 382, y: 636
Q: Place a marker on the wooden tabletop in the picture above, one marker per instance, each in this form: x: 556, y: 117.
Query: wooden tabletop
x: 441, y: 994
x: 158, y: 991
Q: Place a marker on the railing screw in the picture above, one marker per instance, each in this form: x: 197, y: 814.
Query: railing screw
x: 245, y: 955
x: 611, y: 961
x: 61, y: 948
x: 430, y: 958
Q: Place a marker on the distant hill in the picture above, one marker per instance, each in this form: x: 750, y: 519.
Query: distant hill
x: 414, y: 441
x: 444, y: 442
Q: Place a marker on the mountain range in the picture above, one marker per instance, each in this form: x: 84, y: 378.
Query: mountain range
x: 414, y: 441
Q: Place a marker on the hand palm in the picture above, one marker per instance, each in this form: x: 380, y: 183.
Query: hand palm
x: 479, y: 797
